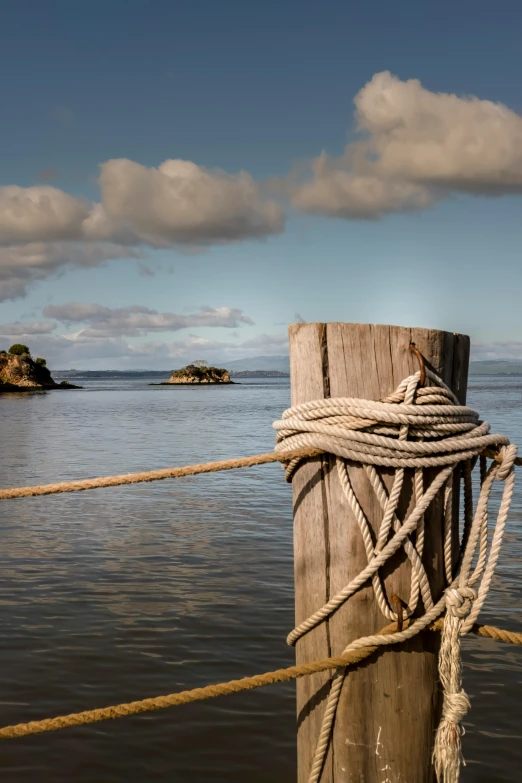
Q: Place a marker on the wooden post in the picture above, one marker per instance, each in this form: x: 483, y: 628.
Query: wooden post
x: 390, y: 706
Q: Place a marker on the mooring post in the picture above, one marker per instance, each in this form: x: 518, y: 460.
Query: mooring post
x: 390, y: 706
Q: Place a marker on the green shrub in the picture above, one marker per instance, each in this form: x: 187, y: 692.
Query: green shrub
x: 18, y: 349
x: 42, y: 362
x: 200, y: 372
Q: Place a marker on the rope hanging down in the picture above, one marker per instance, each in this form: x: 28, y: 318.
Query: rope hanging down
x: 416, y: 428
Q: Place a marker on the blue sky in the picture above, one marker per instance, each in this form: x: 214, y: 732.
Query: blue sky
x: 420, y: 228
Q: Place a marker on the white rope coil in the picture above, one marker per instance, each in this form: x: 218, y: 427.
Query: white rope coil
x: 411, y: 428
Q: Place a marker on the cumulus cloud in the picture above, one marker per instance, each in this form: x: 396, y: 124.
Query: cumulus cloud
x: 178, y: 204
x: 136, y: 320
x: 441, y: 139
x: 417, y: 147
x: 174, y: 204
x: 335, y: 191
x: 39, y: 213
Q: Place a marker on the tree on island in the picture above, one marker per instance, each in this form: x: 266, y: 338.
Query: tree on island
x: 18, y: 349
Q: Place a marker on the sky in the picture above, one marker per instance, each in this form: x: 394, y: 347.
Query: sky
x: 182, y: 180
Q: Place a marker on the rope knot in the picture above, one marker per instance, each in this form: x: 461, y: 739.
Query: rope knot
x: 459, y: 601
x: 508, y: 454
x: 455, y: 706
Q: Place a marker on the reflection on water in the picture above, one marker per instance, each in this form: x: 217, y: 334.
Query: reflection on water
x: 122, y: 593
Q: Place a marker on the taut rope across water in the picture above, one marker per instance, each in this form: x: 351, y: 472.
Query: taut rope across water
x: 413, y: 428
x: 348, y: 660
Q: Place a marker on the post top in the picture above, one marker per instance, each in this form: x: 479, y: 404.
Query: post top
x: 417, y: 329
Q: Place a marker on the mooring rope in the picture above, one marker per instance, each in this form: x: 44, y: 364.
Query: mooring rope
x: 418, y: 428
x: 122, y: 479
x: 151, y: 475
x: 345, y: 661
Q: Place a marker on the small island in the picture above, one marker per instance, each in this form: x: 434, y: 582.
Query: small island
x: 19, y: 372
x: 197, y: 373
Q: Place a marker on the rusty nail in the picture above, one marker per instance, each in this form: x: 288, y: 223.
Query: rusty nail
x: 399, y: 610
x: 420, y: 359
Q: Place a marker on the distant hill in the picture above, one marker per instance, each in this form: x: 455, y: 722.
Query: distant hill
x: 279, y: 363
x: 496, y: 367
x: 258, y: 374
x: 276, y: 366
x: 111, y: 373
x: 265, y: 364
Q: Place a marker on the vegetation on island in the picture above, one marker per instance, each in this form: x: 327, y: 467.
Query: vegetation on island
x: 198, y: 372
x: 18, y: 349
x: 202, y: 373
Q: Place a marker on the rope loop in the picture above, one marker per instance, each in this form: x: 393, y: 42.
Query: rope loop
x: 508, y: 454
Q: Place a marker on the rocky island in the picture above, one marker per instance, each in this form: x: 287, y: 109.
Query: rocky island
x: 196, y: 373
x: 19, y: 372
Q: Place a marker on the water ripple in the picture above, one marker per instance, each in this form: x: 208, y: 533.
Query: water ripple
x: 119, y: 594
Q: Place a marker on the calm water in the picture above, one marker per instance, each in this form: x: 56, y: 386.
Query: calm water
x: 118, y: 594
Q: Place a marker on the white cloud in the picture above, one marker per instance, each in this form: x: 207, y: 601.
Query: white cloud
x: 441, y: 139
x: 64, y: 352
x: 137, y: 319
x: 194, y: 347
x: 335, y: 191
x: 501, y: 349
x: 40, y: 213
x: 418, y: 147
x: 22, y: 329
x: 83, y: 350
x: 22, y: 265
x: 178, y: 204
x: 267, y: 344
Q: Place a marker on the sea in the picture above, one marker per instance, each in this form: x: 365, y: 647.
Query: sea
x: 118, y: 594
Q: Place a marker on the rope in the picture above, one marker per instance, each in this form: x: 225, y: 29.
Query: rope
x: 165, y: 473
x: 151, y: 475
x: 414, y: 427
x: 344, y: 661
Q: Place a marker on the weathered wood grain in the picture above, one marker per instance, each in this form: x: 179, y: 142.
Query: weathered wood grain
x: 389, y: 708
